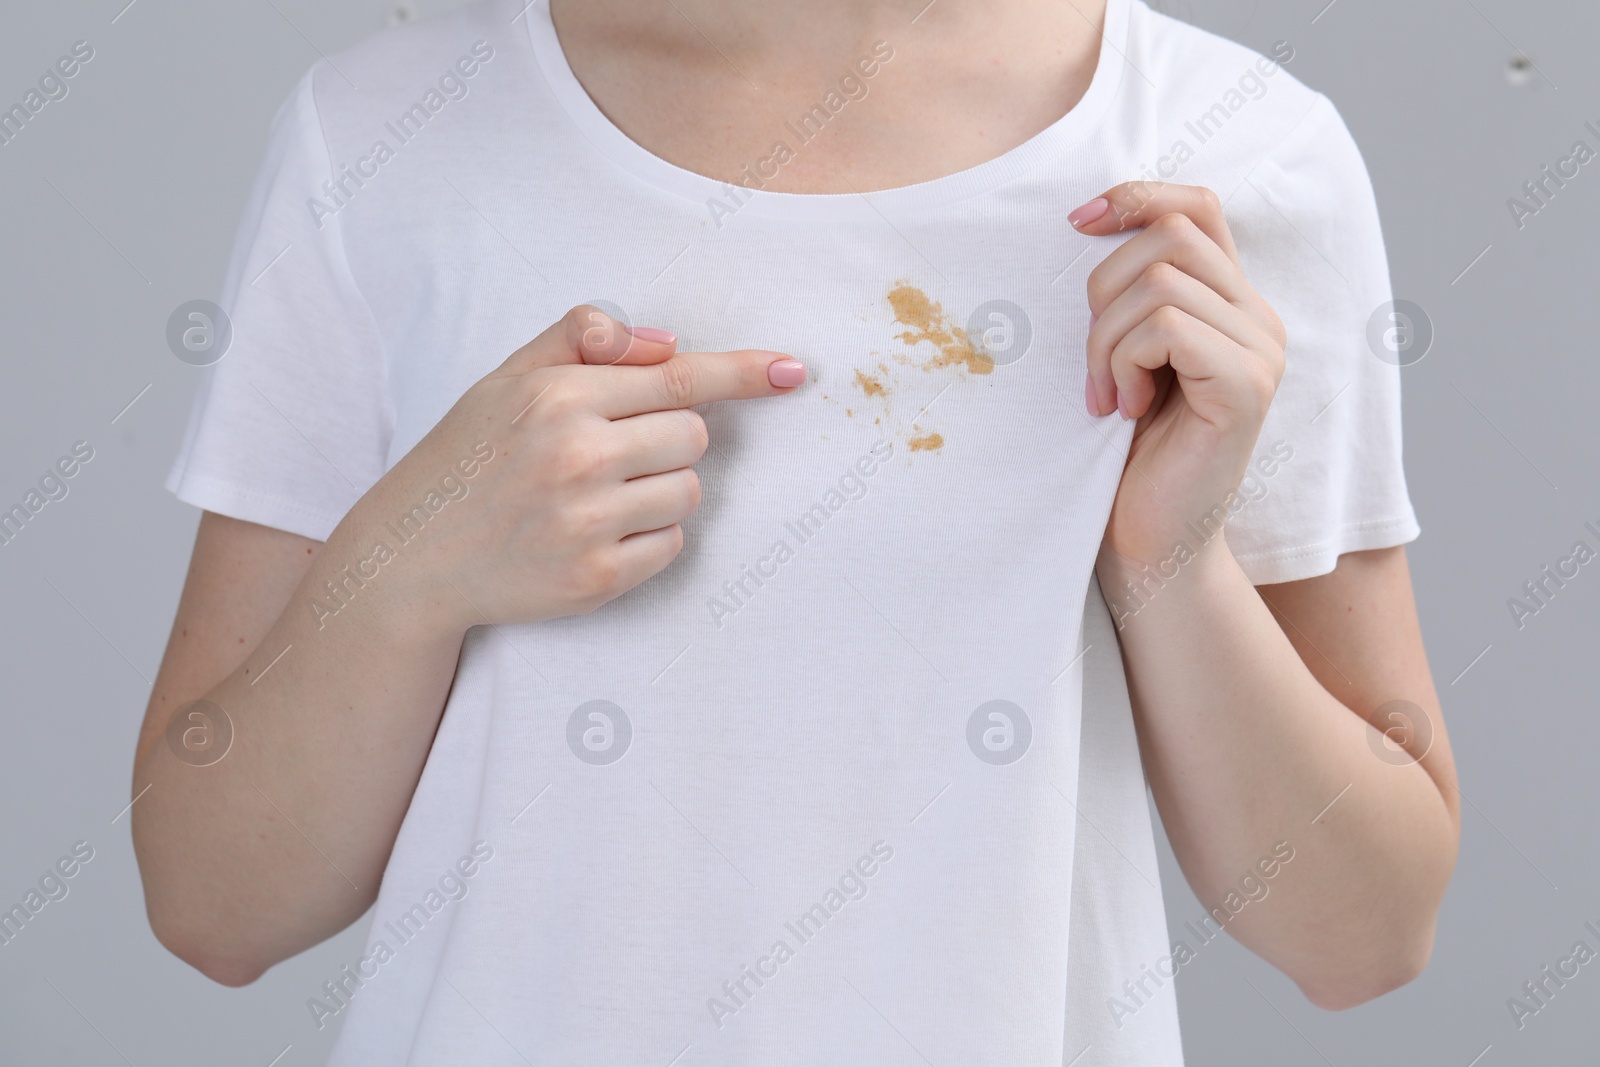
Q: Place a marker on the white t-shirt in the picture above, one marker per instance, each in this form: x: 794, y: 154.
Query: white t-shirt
x: 854, y: 780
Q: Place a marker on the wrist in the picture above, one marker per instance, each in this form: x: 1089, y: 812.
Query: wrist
x: 1189, y: 572
x: 367, y: 569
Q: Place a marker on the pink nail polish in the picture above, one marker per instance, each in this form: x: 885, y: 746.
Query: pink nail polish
x: 786, y: 373
x: 1089, y: 212
x: 650, y: 333
x: 1091, y: 397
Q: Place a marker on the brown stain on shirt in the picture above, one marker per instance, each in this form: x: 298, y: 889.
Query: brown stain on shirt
x: 871, y: 384
x: 925, y: 321
x: 928, y: 322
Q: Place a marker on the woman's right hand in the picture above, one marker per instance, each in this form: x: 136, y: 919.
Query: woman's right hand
x: 331, y: 720
x: 589, y: 475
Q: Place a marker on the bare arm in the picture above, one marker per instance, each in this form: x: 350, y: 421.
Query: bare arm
x: 329, y: 745
x: 1251, y: 726
x: 568, y: 477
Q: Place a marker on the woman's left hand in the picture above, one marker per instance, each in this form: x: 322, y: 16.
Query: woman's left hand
x: 1180, y: 341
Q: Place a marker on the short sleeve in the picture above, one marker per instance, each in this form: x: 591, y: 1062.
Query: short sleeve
x: 292, y: 425
x: 1327, y: 476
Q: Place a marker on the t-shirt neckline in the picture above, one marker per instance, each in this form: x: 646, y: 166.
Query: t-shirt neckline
x: 609, y: 140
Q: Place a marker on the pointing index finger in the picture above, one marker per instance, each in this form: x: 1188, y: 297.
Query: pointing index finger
x: 689, y: 379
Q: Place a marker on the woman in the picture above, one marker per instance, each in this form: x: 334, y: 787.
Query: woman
x: 719, y: 674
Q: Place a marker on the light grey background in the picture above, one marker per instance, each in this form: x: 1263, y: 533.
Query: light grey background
x: 119, y: 203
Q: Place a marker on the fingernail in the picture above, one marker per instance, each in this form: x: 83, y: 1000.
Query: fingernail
x: 1089, y: 212
x: 650, y: 333
x: 1090, y: 397
x: 1092, y: 319
x: 786, y: 373
x: 1122, y: 409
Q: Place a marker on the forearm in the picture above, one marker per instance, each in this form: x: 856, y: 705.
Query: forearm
x: 282, y: 841
x: 1244, y: 748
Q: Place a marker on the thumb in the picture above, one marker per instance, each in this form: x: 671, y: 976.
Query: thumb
x: 588, y: 335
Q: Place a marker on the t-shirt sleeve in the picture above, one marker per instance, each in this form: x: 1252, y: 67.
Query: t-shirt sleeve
x: 292, y: 425
x: 1327, y: 475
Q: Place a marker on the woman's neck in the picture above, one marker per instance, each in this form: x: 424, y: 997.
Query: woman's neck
x: 710, y: 84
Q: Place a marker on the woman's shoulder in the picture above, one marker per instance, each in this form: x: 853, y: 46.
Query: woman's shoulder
x: 1192, y: 65
x: 431, y: 62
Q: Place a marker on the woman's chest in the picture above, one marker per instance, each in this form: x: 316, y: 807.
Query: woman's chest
x: 974, y: 328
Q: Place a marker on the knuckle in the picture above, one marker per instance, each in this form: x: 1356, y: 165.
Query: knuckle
x: 1175, y: 226
x: 604, y: 572
x: 1263, y: 386
x: 578, y: 459
x: 574, y: 322
x: 595, y: 580
x: 579, y: 318
x: 580, y: 524
x: 583, y: 530
x: 555, y: 394
x: 677, y: 382
x: 1161, y: 277
x: 1275, y: 367
x: 589, y: 330
x: 1275, y: 330
x: 1169, y: 321
x: 1264, y: 395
